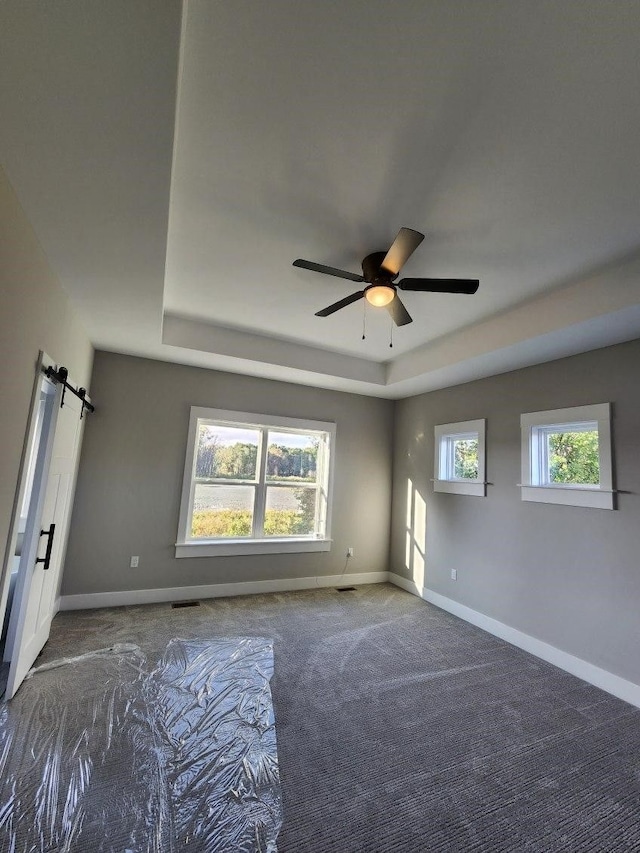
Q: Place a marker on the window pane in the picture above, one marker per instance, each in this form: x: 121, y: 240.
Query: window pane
x: 573, y: 457
x: 465, y: 459
x: 221, y: 511
x: 229, y: 453
x: 292, y: 457
x: 290, y: 512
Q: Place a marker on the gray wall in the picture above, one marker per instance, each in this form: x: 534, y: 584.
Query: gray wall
x: 565, y: 575
x: 35, y: 314
x: 130, y: 479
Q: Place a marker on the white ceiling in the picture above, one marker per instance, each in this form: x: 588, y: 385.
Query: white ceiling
x: 175, y: 162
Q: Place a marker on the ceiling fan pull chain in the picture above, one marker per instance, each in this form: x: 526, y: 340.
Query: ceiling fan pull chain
x: 364, y: 319
x: 391, y: 335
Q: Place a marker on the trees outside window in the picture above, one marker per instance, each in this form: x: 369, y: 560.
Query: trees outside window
x: 573, y: 457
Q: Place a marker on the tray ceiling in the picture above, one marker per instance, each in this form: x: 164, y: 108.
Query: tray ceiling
x: 175, y: 161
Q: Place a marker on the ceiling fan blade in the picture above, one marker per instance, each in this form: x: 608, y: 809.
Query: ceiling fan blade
x: 399, y: 313
x: 310, y: 265
x: 440, y: 285
x: 341, y: 304
x: 401, y: 250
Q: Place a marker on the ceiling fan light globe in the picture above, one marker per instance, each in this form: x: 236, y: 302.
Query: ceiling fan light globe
x: 379, y: 295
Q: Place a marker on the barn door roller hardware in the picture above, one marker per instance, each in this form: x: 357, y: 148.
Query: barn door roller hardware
x: 61, y: 375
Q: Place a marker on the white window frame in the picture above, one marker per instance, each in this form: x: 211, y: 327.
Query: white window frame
x: 188, y: 547
x: 445, y: 435
x: 536, y: 426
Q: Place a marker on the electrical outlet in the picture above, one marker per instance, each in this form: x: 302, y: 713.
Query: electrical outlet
x: 134, y: 562
x: 349, y: 552
x: 454, y: 574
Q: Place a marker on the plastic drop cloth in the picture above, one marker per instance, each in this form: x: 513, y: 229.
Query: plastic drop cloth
x: 99, y: 755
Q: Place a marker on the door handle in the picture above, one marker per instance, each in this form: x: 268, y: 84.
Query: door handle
x: 47, y: 557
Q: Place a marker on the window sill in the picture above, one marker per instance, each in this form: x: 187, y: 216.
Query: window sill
x: 569, y: 496
x: 246, y: 547
x: 460, y: 487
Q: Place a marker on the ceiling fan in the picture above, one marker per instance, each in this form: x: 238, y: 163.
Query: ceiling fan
x: 379, y: 271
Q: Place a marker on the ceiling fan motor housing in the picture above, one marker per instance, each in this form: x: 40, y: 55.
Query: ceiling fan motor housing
x: 372, y: 269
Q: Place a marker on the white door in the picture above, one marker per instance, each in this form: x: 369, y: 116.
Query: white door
x: 45, y: 540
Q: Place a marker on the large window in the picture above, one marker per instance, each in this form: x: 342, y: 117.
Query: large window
x: 255, y: 484
x: 566, y: 456
x: 459, y: 464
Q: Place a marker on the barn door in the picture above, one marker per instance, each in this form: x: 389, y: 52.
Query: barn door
x: 45, y: 534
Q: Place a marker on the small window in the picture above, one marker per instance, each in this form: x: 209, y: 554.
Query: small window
x: 566, y: 456
x: 460, y: 458
x: 255, y: 484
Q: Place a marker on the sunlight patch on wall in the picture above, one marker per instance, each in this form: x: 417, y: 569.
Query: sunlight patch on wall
x: 409, y: 537
x: 416, y: 535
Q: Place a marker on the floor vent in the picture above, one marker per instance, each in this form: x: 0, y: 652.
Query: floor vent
x: 177, y: 604
x: 346, y: 588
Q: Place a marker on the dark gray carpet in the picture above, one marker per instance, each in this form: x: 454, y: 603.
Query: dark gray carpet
x: 401, y: 728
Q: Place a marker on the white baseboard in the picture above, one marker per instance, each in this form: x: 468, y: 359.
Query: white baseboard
x: 406, y: 584
x: 602, y: 678
x: 92, y: 600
